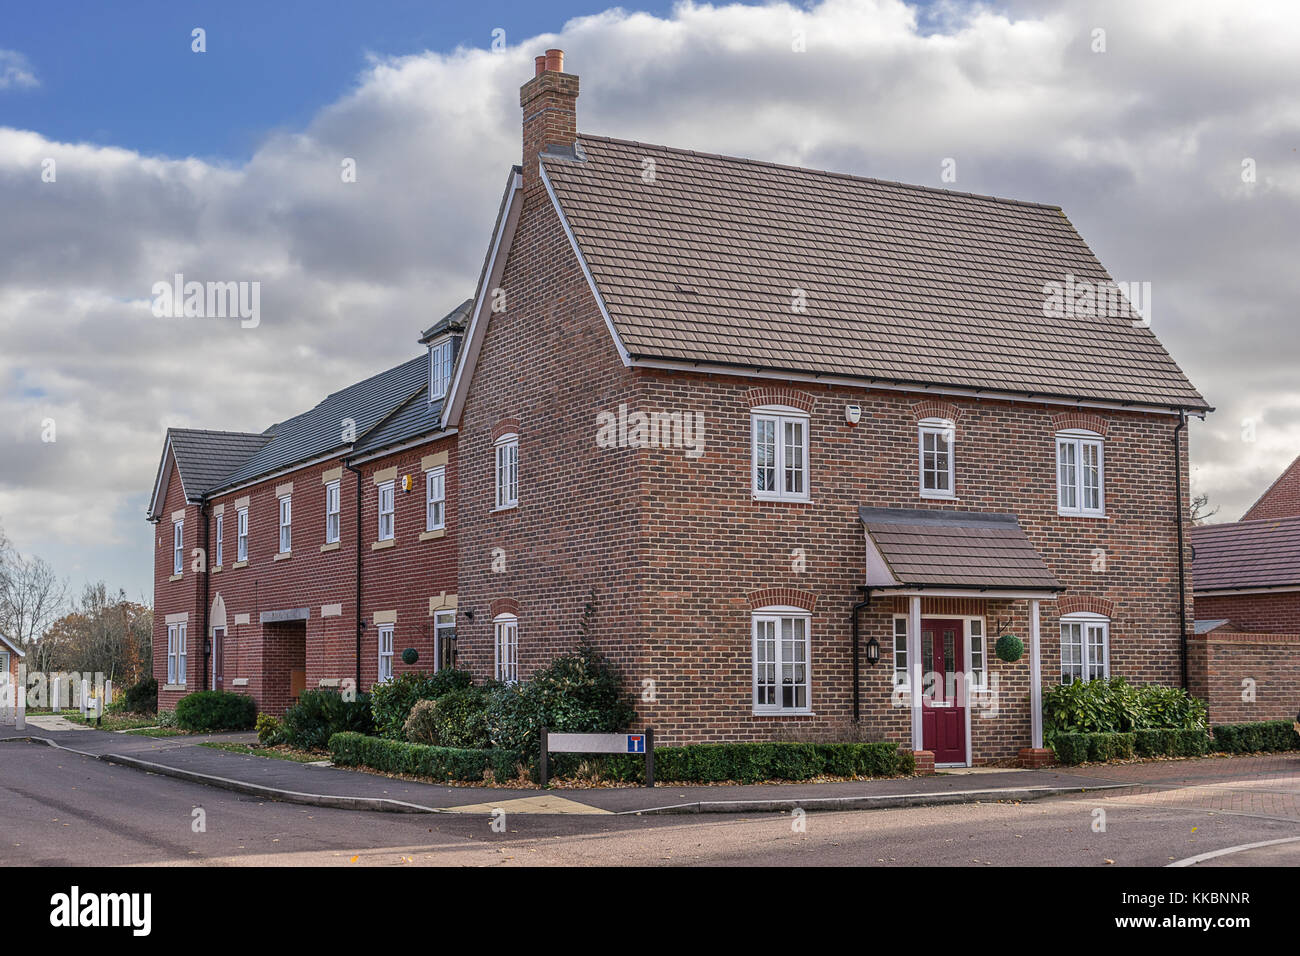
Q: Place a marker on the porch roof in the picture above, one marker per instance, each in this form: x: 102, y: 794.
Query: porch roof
x: 966, y: 550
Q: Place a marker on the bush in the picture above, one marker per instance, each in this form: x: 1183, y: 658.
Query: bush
x: 319, y: 714
x: 421, y: 725
x: 142, y: 696
x: 166, y: 718
x: 391, y: 701
x: 269, y: 730
x: 215, y: 710
x: 461, y: 719
x: 1262, y: 737
x: 440, y: 763
x: 1100, y: 747
x: 1009, y: 648
x: 751, y: 763
x: 1115, y: 706
x: 1070, y: 748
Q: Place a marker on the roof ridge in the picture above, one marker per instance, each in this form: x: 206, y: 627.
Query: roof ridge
x: 388, y: 417
x: 215, y: 431
x: 826, y: 172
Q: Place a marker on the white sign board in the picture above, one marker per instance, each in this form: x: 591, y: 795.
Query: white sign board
x: 596, y: 743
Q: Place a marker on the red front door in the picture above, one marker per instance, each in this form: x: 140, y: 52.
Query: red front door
x: 943, y: 702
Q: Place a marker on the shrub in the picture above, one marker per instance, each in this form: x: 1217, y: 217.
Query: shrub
x: 1154, y: 742
x: 1009, y: 648
x: 142, y: 696
x: 1170, y: 707
x: 269, y: 730
x: 319, y: 714
x: 391, y: 701
x: 753, y: 762
x: 1070, y: 748
x: 166, y: 718
x: 421, y: 725
x: 1269, y: 735
x: 215, y: 710
x: 1115, y: 706
x: 440, y: 763
x: 461, y: 719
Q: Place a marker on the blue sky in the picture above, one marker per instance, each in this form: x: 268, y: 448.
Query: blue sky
x: 124, y: 74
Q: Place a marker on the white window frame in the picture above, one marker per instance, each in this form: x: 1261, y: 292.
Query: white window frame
x: 435, y: 499
x: 1070, y: 495
x: 505, y: 637
x: 333, y: 512
x: 442, y: 621
x: 286, y: 523
x: 387, y: 529
x: 241, y: 534
x: 439, y: 369
x: 937, y: 428
x: 779, y: 416
x: 178, y: 546
x: 777, y: 616
x: 385, y: 671
x: 1089, y: 624
x: 221, y: 522
x: 506, y: 453
x: 901, y: 676
x: 177, y: 654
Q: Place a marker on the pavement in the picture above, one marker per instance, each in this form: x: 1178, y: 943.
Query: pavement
x: 339, y: 788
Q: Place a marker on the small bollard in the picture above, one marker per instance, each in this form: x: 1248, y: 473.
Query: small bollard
x: 20, y: 709
x: 85, y: 692
x: 56, y: 702
x: 108, y: 692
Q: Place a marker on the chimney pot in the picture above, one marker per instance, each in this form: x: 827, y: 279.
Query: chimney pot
x: 540, y: 63
x: 555, y: 61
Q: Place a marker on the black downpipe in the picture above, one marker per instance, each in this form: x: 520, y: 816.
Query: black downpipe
x: 360, y: 623
x: 207, y: 571
x: 857, y: 651
x: 1182, y: 569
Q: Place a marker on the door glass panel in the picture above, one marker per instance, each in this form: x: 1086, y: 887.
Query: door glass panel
x: 927, y: 662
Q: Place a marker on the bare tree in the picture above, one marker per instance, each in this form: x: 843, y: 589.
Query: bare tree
x: 1200, y: 504
x: 31, y: 598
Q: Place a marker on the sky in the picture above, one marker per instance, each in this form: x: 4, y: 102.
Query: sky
x: 1167, y: 130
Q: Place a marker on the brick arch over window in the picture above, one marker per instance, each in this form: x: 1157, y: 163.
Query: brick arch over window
x: 780, y: 395
x: 933, y: 408
x: 507, y: 426
x: 1075, y: 603
x: 1093, y: 423
x: 503, y: 606
x: 782, y: 597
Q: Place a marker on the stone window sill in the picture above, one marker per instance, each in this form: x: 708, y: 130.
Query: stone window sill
x: 380, y: 545
x: 283, y: 556
x: 175, y: 577
x: 431, y: 535
x: 332, y: 546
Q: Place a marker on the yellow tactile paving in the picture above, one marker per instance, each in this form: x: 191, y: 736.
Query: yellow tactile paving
x: 543, y: 804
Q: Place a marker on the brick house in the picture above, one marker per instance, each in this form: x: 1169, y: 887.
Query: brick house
x: 1246, y: 586
x: 11, y: 656
x: 788, y: 444
x: 793, y: 448
x: 327, y: 539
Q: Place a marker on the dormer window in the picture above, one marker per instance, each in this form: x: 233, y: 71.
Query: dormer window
x: 440, y: 355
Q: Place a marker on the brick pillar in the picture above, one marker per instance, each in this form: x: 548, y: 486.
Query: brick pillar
x: 924, y: 761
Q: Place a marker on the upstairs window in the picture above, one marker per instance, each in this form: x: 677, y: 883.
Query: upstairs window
x: 507, y: 471
x: 386, y: 523
x: 221, y: 523
x: 1080, y: 473
x: 435, y: 493
x: 241, y: 534
x: 178, y: 546
x: 938, y: 479
x: 286, y: 524
x: 331, y: 512
x: 439, y: 369
x: 780, y: 453
x: 1085, y: 647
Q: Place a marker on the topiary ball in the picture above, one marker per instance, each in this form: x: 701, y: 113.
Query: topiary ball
x: 1010, y: 648
x: 410, y: 655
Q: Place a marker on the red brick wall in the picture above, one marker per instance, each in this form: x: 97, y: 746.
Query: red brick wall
x: 1278, y: 612
x: 1229, y: 669
x: 176, y: 597
x: 1282, y: 500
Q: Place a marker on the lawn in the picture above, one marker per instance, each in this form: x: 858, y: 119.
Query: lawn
x: 279, y: 753
x: 126, y: 722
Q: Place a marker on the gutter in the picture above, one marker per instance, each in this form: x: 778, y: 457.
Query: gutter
x: 857, y: 651
x: 207, y: 577
x: 360, y: 623
x: 1182, y: 561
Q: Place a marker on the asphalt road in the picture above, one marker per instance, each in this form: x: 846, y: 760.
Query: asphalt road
x: 59, y: 808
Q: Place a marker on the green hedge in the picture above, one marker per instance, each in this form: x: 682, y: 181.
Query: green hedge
x: 1115, y: 706
x: 1256, y: 738
x: 440, y: 763
x: 215, y: 710
x: 391, y: 701
x: 1166, y: 742
x: 750, y: 763
x: 319, y: 714
x: 1157, y: 742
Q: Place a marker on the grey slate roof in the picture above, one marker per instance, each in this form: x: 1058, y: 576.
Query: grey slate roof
x: 956, y: 549
x: 453, y: 321
x: 206, y: 457
x: 1261, y: 553
x: 903, y: 284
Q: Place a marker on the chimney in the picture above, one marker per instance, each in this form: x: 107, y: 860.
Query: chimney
x: 549, y: 102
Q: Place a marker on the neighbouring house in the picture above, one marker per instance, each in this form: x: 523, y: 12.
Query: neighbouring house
x: 793, y: 448
x: 11, y: 655
x: 1246, y: 585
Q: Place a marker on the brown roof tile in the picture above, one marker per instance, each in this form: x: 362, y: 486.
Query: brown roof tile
x: 904, y: 284
x: 1246, y: 554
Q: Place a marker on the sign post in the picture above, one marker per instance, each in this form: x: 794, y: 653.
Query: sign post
x: 642, y: 744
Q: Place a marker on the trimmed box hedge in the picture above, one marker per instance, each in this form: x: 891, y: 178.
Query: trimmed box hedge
x: 753, y: 762
x: 1100, y: 747
x: 1262, y: 737
x: 215, y: 710
x: 441, y: 763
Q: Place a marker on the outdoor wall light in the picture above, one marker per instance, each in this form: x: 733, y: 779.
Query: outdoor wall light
x: 873, y: 651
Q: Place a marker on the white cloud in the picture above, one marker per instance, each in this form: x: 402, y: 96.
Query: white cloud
x: 1142, y: 145
x: 15, y: 71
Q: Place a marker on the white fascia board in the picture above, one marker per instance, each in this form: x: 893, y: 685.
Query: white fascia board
x: 501, y: 241
x: 160, y: 482
x: 586, y: 271
x: 708, y: 368
x: 1043, y: 595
